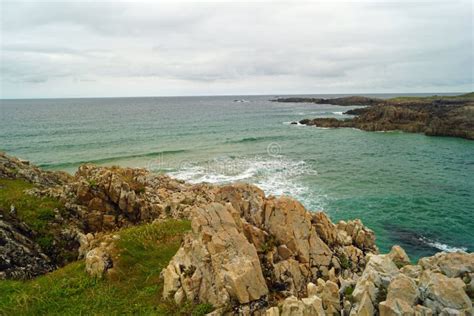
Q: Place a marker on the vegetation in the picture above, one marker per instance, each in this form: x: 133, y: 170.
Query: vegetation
x: 134, y: 288
x: 461, y: 97
x: 36, y: 212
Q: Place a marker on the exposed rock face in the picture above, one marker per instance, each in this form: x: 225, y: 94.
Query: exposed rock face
x: 431, y: 119
x: 20, y: 257
x: 217, y: 263
x: 109, y: 198
x: 353, y: 100
x: 246, y: 252
x: 14, y: 168
x: 277, y: 247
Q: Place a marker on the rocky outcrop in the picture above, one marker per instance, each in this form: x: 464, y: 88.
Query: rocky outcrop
x: 20, y: 256
x: 344, y: 101
x: 216, y: 264
x: 247, y: 253
x: 433, y: 117
x: 14, y: 168
x: 278, y: 248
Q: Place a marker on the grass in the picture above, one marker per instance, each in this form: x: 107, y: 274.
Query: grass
x: 36, y: 212
x: 433, y: 97
x: 135, y: 288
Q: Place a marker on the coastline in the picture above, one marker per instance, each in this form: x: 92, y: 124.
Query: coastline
x: 434, y: 116
x: 279, y: 253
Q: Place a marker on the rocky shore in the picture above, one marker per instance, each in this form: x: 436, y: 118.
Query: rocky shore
x: 246, y: 253
x: 433, y: 116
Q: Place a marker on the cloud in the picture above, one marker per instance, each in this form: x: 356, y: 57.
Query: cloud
x: 149, y: 48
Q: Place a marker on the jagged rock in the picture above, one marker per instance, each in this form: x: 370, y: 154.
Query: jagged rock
x: 412, y: 271
x: 329, y: 294
x: 14, y: 168
x: 216, y: 264
x: 421, y: 310
x: 376, y: 277
x: 399, y: 256
x: 452, y: 264
x: 272, y: 311
x: 401, y: 296
x: 439, y: 291
x: 311, y: 306
x: 20, y: 256
x: 98, y: 262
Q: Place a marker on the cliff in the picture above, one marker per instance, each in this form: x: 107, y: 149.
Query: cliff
x: 176, y: 248
x: 433, y: 116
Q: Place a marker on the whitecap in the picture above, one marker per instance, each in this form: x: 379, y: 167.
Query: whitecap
x: 274, y: 175
x: 338, y: 113
x: 441, y: 246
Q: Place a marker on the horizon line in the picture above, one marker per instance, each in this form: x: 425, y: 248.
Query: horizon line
x: 234, y: 95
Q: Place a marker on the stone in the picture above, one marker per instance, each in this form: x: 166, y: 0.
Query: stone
x: 403, y: 288
x: 272, y: 311
x: 399, y: 256
x: 439, y: 291
x: 451, y: 264
x: 98, y: 262
x: 421, y: 310
x: 20, y: 257
x: 217, y: 263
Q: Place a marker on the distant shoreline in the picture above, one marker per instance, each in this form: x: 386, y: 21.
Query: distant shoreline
x: 432, y: 115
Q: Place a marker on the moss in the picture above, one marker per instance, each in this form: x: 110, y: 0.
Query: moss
x: 92, y: 184
x: 345, y: 262
x: 348, y: 293
x: 135, y: 288
x: 202, y: 309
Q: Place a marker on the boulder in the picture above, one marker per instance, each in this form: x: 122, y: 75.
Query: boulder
x: 451, y: 264
x: 98, y: 262
x: 399, y: 256
x: 216, y: 264
x: 439, y: 291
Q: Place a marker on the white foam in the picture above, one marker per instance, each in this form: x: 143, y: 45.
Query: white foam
x: 338, y: 113
x: 441, y: 246
x: 274, y: 175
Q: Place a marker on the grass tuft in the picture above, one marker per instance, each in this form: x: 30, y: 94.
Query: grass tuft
x: 136, y: 287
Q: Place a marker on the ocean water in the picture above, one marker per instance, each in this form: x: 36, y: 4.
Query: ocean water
x: 412, y: 190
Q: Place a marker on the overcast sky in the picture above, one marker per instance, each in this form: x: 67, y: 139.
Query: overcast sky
x: 112, y: 48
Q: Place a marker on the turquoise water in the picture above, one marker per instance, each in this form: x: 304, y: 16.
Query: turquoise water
x: 413, y: 190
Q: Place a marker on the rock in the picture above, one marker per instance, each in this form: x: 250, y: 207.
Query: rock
x: 399, y: 256
x: 329, y: 294
x: 98, y: 262
x: 401, y: 296
x: 439, y: 291
x: 421, y: 310
x: 216, y: 264
x: 272, y: 311
x: 20, y: 256
x: 310, y: 306
x: 411, y: 271
x: 452, y: 264
x: 313, y: 305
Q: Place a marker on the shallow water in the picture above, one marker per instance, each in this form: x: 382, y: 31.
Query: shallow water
x: 413, y: 190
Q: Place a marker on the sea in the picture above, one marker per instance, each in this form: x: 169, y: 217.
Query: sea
x: 412, y: 190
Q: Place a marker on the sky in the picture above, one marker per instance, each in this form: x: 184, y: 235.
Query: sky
x: 143, y: 48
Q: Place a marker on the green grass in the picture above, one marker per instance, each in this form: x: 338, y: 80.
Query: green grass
x: 135, y: 288
x: 465, y: 96
x: 36, y: 212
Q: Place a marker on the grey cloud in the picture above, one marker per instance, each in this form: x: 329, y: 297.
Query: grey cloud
x: 225, y: 48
